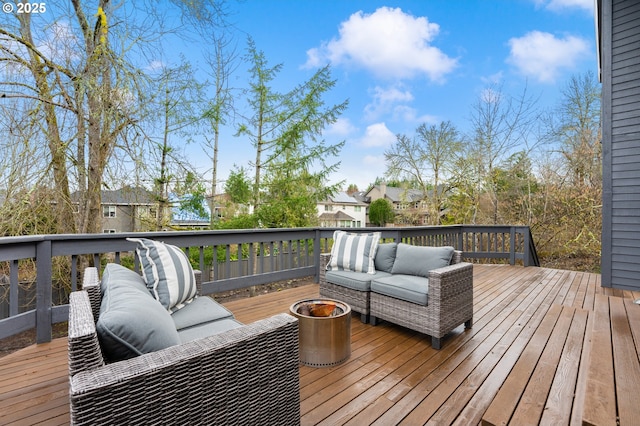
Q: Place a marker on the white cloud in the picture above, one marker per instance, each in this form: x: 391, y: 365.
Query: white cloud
x: 493, y: 78
x: 378, y: 135
x: 155, y: 65
x: 59, y: 43
x: 541, y: 55
x: 384, y: 100
x: 361, y: 171
x: 373, y: 160
x: 410, y: 115
x: 558, y: 5
x: 342, y: 127
x: 389, y: 43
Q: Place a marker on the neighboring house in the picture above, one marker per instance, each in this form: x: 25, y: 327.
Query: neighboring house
x: 135, y: 209
x: 342, y: 210
x: 128, y: 209
x: 408, y: 204
x: 618, y: 43
x: 224, y: 207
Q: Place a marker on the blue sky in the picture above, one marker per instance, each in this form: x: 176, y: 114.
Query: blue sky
x: 404, y: 63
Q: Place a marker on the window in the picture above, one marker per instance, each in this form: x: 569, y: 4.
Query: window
x: 328, y: 207
x: 108, y: 211
x: 358, y: 208
x: 108, y: 231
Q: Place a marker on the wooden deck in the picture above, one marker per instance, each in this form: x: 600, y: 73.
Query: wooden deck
x: 547, y: 347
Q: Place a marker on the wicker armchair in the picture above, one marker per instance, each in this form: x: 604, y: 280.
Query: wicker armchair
x: 357, y: 300
x: 450, y: 303
x: 247, y: 375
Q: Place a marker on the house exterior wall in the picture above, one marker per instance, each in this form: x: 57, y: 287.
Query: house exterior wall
x: 619, y: 44
x: 126, y: 218
x: 377, y: 192
x: 357, y: 212
x: 116, y: 218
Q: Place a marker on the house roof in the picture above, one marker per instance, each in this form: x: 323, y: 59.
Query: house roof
x: 339, y: 215
x: 361, y: 196
x: 400, y: 195
x: 342, y: 198
x: 127, y: 195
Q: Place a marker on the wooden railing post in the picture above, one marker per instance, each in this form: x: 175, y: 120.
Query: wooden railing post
x: 14, y: 285
x: 43, y: 291
x: 512, y: 243
x: 526, y: 249
x: 316, y: 254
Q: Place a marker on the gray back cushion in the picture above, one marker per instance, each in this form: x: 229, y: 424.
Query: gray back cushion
x: 131, y: 321
x: 415, y: 260
x: 385, y: 257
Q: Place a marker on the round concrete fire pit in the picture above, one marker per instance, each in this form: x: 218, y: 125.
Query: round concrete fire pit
x: 325, y: 341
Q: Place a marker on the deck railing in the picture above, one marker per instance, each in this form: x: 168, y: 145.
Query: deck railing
x: 38, y: 272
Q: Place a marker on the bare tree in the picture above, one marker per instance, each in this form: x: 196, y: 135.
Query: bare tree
x: 83, y: 64
x: 576, y: 127
x: 500, y: 125
x: 428, y: 160
x: 223, y: 62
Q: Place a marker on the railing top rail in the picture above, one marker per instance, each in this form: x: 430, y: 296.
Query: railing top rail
x: 22, y: 239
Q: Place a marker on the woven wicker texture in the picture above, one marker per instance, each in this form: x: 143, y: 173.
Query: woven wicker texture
x: 450, y: 300
x: 245, y: 376
x: 450, y: 303
x: 357, y: 300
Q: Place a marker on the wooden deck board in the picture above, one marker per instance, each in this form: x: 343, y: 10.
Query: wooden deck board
x: 527, y: 354
x: 599, y: 406
x: 562, y: 390
x: 625, y: 359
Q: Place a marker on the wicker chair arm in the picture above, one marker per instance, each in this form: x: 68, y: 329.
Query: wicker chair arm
x: 448, y: 270
x: 84, y: 347
x: 234, y: 377
x: 451, y: 280
x: 324, y: 261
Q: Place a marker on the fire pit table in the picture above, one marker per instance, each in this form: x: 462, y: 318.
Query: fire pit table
x: 324, y: 331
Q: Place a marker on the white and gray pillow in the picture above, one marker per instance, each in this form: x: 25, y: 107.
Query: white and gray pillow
x: 354, y: 251
x: 167, y: 272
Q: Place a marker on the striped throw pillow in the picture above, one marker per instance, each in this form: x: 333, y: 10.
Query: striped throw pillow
x: 166, y: 272
x: 354, y: 252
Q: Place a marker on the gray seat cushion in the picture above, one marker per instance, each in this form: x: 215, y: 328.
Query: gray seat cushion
x: 405, y: 287
x: 208, y: 329
x: 360, y: 281
x: 416, y: 260
x: 201, y: 310
x: 131, y: 321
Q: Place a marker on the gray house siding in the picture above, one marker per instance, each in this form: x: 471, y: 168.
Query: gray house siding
x: 619, y: 37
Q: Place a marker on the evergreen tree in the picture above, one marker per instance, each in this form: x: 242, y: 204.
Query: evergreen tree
x: 292, y: 163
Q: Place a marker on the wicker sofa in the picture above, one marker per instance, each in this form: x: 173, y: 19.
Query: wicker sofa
x: 404, y: 290
x: 247, y: 374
